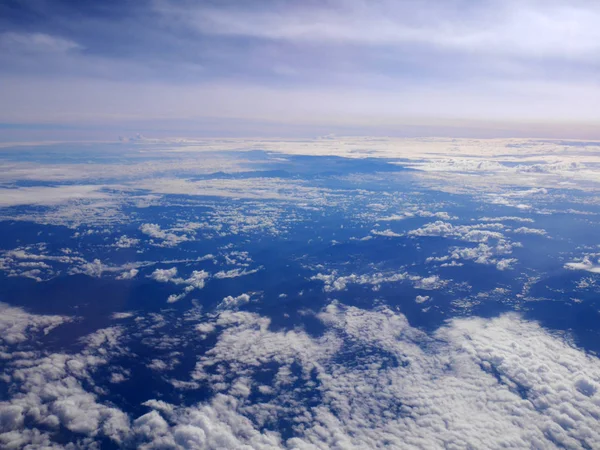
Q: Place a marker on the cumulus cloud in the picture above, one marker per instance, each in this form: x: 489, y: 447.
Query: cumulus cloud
x: 430, y: 283
x: 526, y: 230
x: 471, y: 233
x: 16, y: 325
x: 477, y: 382
x: 585, y: 264
x: 166, y: 238
x: 370, y: 380
x: 126, y: 242
x: 231, y: 302
x: 49, y: 392
x: 128, y: 275
x: 196, y: 280
x: 333, y: 282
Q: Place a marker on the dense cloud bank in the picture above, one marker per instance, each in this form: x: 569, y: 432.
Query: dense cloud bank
x: 378, y: 382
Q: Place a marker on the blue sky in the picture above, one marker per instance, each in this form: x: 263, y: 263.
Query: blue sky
x: 456, y: 67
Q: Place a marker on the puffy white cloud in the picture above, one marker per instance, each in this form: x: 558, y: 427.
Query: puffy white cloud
x: 231, y: 302
x: 379, y: 382
x: 164, y: 275
x: 16, y: 325
x: 126, y: 242
x: 421, y: 298
x: 49, y: 392
x: 476, y: 382
x: 333, y: 282
x: 196, y: 280
x: 167, y: 238
x: 429, y: 283
x: 128, y: 275
x: 471, y: 233
x: 526, y: 230
x: 585, y: 264
x: 386, y: 233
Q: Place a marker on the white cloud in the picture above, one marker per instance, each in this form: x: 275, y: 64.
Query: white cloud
x: 168, y: 239
x: 50, y: 195
x: 333, y: 282
x: 526, y: 230
x: 506, y: 219
x: 196, y: 280
x: 126, y: 242
x: 164, y: 275
x: 16, y: 325
x: 430, y: 283
x: 386, y: 233
x: 471, y: 233
x: 422, y: 298
x: 128, y: 275
x: 418, y: 213
x: 585, y: 264
x: 234, y: 273
x: 231, y: 302
x: 476, y: 382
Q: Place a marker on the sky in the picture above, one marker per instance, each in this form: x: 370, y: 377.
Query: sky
x: 490, y: 68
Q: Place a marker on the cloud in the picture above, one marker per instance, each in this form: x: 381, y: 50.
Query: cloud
x: 50, y: 195
x: 475, y: 382
x: 164, y: 275
x: 305, y: 69
x: 126, y: 242
x: 128, y: 275
x: 35, y: 43
x: 168, y: 239
x: 430, y: 283
x: 585, y: 264
x: 471, y: 233
x: 526, y: 230
x: 419, y: 213
x: 231, y: 302
x: 333, y: 282
x: 16, y: 325
x: 48, y: 391
x: 516, y: 28
x: 196, y: 280
x: 234, y: 273
x: 374, y: 381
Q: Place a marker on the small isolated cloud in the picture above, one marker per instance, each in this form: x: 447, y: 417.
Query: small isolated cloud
x: 422, y: 298
x: 429, y: 283
x: 526, y: 230
x: 196, y: 280
x: 164, y: 275
x: 166, y: 238
x: 126, y: 242
x: 234, y: 273
x: 386, y: 233
x: 128, y: 275
x: 231, y: 302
